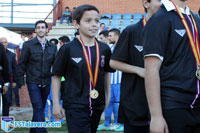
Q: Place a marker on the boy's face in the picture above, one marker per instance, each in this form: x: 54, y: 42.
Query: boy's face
x: 41, y: 30
x: 89, y: 24
x: 152, y: 6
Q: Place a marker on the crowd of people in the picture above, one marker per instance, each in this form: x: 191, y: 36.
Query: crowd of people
x: 147, y: 76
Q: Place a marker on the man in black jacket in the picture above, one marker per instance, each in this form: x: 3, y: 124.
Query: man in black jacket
x: 36, y: 59
x: 4, y: 79
x: 11, y: 74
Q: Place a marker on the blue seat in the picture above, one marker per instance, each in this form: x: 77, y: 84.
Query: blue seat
x: 145, y: 15
x: 127, y: 16
x: 137, y: 16
x: 194, y: 13
x: 116, y: 16
x: 135, y: 21
x: 122, y: 28
x: 114, y: 27
x: 115, y: 22
x: 108, y: 15
x: 105, y: 21
x: 126, y: 22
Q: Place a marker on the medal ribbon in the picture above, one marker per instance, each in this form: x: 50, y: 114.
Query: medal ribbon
x: 144, y: 21
x: 89, y: 67
x: 194, y: 44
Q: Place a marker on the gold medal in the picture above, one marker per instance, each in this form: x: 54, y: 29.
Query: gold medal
x: 94, y: 94
x: 198, y: 74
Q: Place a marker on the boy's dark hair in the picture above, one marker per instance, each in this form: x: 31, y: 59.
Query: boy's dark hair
x: 55, y: 40
x: 39, y: 22
x: 64, y: 39
x: 145, y: 8
x: 78, y: 12
x: 102, y: 24
x: 104, y: 33
x: 76, y: 33
x: 66, y: 7
x: 116, y: 31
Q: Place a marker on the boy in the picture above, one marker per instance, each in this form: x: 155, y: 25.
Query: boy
x: 128, y: 58
x: 84, y: 62
x: 172, y: 70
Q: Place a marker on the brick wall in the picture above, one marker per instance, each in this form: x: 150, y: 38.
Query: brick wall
x: 120, y: 6
x: 24, y: 98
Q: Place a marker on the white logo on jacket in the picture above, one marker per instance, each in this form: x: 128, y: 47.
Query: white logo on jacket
x: 139, y: 48
x: 77, y: 60
x: 181, y: 32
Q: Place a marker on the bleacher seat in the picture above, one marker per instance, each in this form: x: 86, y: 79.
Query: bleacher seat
x: 116, y: 16
x: 114, y: 27
x: 126, y: 22
x: 115, y: 22
x: 127, y: 16
x: 135, y: 21
x: 137, y: 15
x: 108, y: 15
x: 145, y: 15
x: 122, y: 28
x: 105, y: 21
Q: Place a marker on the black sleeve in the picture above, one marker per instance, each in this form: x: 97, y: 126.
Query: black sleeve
x: 4, y: 64
x: 155, y: 35
x: 14, y: 64
x: 21, y: 66
x: 61, y: 61
x: 121, y: 50
x: 107, y: 67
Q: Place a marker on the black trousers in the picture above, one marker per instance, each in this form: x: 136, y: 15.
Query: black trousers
x: 80, y: 120
x: 182, y: 120
x: 135, y: 129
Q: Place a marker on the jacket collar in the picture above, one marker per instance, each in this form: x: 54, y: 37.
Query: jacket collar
x: 169, y: 7
x: 36, y: 41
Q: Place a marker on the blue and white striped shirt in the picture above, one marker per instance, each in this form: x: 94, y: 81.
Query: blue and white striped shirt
x: 115, y: 77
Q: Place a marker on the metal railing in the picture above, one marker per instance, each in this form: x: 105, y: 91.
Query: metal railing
x: 54, y: 15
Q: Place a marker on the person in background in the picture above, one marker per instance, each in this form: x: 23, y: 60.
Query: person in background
x: 113, y: 107
x: 36, y: 60
x: 76, y: 34
x: 63, y: 40
x: 23, y: 37
x: 103, y: 37
x: 66, y: 16
x: 54, y: 41
x: 12, y: 77
x: 4, y: 79
x: 103, y: 27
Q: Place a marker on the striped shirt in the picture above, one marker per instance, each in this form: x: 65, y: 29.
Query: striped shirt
x: 115, y: 77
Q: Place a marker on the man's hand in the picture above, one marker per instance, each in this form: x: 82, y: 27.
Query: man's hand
x: 5, y: 89
x: 158, y: 125
x: 14, y: 85
x: 58, y: 111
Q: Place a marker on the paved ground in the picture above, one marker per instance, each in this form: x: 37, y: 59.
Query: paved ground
x: 25, y: 114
